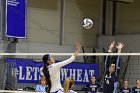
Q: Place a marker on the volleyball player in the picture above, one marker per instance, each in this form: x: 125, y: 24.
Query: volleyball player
x: 110, y: 80
x: 114, y: 59
x: 111, y: 70
x: 125, y: 88
x: 51, y: 71
x: 68, y: 85
x: 137, y: 88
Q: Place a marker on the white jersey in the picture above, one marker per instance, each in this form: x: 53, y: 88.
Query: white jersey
x: 54, y: 71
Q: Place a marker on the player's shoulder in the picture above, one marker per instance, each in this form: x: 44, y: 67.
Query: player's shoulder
x: 51, y: 66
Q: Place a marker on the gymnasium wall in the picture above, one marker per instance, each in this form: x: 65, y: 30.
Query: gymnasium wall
x: 76, y: 11
x: 129, y: 18
x: 43, y: 22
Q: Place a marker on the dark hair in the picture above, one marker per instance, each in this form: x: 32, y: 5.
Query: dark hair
x: 91, y: 78
x: 46, y: 72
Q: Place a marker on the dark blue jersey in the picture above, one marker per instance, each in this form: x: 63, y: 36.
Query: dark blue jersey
x: 135, y: 90
x: 93, y: 87
x: 125, y: 90
x: 109, y: 82
x: 112, y: 60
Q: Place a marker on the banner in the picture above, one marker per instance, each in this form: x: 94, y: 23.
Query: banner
x: 16, y: 18
x: 28, y: 71
x: 80, y: 72
x: 25, y: 71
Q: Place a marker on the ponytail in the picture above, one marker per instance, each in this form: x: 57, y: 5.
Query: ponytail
x: 46, y: 72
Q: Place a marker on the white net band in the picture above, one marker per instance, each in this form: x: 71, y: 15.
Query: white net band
x: 68, y: 54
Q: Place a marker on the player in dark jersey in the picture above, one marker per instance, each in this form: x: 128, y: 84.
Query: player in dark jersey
x: 137, y: 88
x: 113, y: 59
x: 110, y: 80
x: 93, y: 86
x: 125, y: 88
x: 112, y: 69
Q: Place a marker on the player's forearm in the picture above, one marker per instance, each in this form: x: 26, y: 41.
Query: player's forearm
x: 76, y: 54
x: 65, y: 62
x: 119, y: 51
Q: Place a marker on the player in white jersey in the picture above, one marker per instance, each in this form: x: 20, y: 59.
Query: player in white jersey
x: 68, y: 85
x: 51, y: 71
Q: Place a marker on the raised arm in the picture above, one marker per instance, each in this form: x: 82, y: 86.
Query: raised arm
x: 107, y: 57
x: 119, y: 50
x: 72, y: 58
x: 78, y: 47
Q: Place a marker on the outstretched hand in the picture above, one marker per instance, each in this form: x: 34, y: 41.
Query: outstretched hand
x: 111, y: 46
x: 120, y: 45
x: 78, y: 47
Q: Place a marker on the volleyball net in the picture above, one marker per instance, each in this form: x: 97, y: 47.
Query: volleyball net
x: 22, y: 71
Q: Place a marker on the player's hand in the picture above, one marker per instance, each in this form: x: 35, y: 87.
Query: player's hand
x: 119, y: 47
x: 111, y: 46
x: 78, y: 46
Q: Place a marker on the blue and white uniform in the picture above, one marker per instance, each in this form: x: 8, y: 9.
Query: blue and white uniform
x: 54, y: 71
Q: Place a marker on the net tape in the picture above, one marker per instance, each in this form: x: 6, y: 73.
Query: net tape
x: 69, y: 54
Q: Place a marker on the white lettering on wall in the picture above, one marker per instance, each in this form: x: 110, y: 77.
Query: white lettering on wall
x: 28, y: 73
x: 85, y: 76
x: 20, y: 74
x: 91, y: 72
x: 72, y: 73
x: 32, y: 73
x: 64, y: 73
x: 12, y: 2
x: 35, y: 70
x: 79, y: 75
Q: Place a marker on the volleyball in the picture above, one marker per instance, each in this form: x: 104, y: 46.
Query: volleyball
x: 87, y: 23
